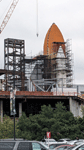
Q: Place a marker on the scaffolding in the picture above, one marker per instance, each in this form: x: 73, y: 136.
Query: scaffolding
x: 46, y: 71
x: 69, y: 64
x: 38, y: 73
x: 14, y: 53
x: 61, y: 64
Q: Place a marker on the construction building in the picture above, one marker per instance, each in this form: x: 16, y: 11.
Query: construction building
x: 28, y: 73
x: 43, y: 77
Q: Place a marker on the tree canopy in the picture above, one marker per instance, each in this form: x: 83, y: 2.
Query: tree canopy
x: 60, y: 122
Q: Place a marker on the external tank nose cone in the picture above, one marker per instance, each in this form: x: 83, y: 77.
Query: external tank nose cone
x: 53, y: 40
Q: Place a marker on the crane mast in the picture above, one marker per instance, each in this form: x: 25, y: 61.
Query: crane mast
x: 8, y: 15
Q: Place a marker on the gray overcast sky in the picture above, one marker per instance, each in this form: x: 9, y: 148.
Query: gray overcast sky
x: 68, y: 15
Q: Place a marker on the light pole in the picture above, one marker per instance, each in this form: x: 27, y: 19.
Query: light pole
x: 12, y: 105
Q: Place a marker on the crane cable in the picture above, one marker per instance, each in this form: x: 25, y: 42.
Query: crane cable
x: 37, y: 17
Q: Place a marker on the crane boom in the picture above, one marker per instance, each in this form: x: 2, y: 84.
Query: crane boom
x: 8, y: 15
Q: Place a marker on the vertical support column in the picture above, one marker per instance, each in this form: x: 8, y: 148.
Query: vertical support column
x: 77, y: 90
x: 62, y: 85
x: 70, y: 104
x: 81, y: 114
x: 20, y: 109
x: 29, y: 85
x: 74, y: 107
x: 1, y: 110
x: 56, y: 89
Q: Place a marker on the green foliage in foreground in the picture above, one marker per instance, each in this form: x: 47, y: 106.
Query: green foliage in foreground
x: 59, y: 122
x: 7, y: 128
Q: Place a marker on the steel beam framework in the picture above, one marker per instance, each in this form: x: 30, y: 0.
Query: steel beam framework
x: 14, y: 52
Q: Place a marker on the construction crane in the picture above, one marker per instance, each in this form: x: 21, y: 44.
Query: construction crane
x: 8, y: 15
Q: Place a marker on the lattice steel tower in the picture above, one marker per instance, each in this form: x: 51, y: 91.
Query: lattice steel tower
x: 14, y: 53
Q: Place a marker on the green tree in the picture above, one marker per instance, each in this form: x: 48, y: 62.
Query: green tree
x: 7, y: 128
x: 60, y: 122
x: 22, y: 127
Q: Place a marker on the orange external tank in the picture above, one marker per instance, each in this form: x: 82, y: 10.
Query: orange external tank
x: 53, y: 40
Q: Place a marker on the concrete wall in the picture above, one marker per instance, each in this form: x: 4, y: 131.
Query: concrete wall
x: 75, y: 108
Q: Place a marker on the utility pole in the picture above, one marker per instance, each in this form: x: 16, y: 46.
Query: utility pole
x: 14, y: 112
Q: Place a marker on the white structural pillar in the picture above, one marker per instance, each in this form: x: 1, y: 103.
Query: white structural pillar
x: 20, y: 109
x: 80, y: 110
x: 75, y: 107
x: 1, y: 110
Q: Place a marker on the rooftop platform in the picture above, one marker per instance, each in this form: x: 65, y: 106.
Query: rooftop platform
x: 22, y: 95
